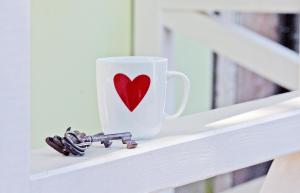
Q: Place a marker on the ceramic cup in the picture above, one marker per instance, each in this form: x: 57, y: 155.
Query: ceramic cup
x: 132, y: 94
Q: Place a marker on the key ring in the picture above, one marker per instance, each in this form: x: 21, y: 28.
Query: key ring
x: 76, y: 143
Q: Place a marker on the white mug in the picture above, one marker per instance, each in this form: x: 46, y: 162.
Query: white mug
x: 132, y: 94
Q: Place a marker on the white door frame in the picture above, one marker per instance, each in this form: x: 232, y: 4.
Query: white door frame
x: 14, y: 96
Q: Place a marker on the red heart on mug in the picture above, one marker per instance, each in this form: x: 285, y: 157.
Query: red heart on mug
x: 131, y: 92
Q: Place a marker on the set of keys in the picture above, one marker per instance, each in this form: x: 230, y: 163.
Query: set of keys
x: 76, y: 143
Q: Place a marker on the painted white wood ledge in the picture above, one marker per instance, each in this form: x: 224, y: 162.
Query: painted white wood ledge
x: 191, y: 148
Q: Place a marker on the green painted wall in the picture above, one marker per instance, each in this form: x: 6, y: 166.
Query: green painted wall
x: 196, y: 62
x: 66, y: 38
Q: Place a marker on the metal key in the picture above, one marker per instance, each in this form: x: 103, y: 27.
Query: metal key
x: 76, y: 143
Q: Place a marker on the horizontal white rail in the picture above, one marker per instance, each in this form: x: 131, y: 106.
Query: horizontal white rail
x: 247, y: 48
x: 191, y: 148
x: 276, y: 6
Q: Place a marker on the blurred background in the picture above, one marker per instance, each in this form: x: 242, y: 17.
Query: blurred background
x: 68, y: 36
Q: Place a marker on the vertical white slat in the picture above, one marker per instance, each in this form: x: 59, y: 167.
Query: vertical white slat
x: 152, y: 39
x: 167, y: 47
x: 147, y: 28
x: 14, y: 96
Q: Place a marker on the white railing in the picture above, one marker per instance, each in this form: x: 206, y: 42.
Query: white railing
x: 193, y: 19
x: 191, y: 148
x: 243, y: 46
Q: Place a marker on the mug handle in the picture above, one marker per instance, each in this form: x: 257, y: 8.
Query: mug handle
x: 186, y: 91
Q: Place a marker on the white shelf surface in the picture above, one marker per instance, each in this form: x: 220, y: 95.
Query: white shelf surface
x: 189, y: 149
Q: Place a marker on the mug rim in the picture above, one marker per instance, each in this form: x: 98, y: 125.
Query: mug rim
x: 133, y: 59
